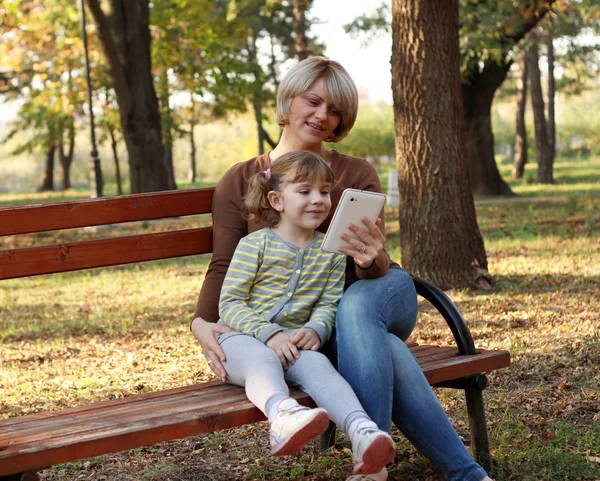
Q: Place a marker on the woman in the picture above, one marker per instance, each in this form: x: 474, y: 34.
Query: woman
x: 317, y: 102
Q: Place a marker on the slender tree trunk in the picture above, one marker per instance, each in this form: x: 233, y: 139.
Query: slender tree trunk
x: 300, y: 26
x: 192, y: 172
x: 478, y: 95
x: 114, y: 147
x: 125, y: 38
x: 257, y: 94
x: 551, y: 100
x: 521, y: 130
x: 48, y: 180
x: 167, y: 129
x: 542, y: 150
x: 439, y: 235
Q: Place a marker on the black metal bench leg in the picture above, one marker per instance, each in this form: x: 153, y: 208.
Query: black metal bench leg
x: 26, y: 476
x: 478, y: 428
x: 327, y: 439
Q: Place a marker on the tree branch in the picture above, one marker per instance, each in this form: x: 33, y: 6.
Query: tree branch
x: 527, y: 17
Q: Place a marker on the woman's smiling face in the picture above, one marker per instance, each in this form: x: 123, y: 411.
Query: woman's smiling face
x: 313, y: 117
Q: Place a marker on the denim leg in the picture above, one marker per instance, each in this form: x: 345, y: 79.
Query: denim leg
x: 368, y: 310
x: 419, y: 415
x: 374, y: 317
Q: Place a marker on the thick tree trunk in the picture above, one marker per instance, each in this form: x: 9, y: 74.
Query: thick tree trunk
x: 521, y: 130
x: 48, y: 180
x: 477, y: 96
x: 439, y: 235
x: 551, y: 99
x: 542, y: 150
x: 113, y: 146
x: 125, y: 36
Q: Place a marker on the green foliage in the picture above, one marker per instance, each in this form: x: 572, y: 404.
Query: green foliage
x: 373, y: 134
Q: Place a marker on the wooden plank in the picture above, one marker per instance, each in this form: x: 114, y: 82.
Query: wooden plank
x: 462, y: 366
x: 25, y: 219
x: 74, y: 256
x: 56, y: 450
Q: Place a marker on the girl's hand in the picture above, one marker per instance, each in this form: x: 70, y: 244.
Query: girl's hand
x: 207, y: 334
x: 286, y: 350
x: 306, y: 338
x: 367, y: 247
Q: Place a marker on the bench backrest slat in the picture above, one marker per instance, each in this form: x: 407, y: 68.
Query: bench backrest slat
x: 25, y: 219
x: 74, y: 256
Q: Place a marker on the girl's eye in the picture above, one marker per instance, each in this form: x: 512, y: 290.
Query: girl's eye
x: 334, y: 112
x: 325, y: 192
x: 304, y: 192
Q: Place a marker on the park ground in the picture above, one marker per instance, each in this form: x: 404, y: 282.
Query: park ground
x: 77, y: 337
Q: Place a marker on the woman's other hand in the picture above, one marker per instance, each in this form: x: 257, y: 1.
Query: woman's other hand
x: 306, y: 338
x: 369, y: 244
x: 286, y: 350
x: 207, y: 334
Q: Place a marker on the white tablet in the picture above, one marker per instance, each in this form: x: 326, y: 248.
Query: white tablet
x: 353, y: 205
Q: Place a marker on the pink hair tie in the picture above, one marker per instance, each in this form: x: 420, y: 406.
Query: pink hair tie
x: 267, y: 174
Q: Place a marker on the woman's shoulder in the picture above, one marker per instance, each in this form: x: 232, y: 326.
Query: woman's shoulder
x: 240, y: 173
x: 349, y: 162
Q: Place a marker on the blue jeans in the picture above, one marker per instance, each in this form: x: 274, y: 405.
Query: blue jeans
x: 374, y: 318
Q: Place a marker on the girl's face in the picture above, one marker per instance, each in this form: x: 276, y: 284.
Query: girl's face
x: 313, y: 117
x: 303, y: 205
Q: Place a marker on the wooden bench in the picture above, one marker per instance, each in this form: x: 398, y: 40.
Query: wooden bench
x: 33, y: 442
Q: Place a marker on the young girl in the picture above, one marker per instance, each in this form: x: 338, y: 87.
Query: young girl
x: 280, y: 296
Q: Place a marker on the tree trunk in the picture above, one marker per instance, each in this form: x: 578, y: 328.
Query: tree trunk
x: 113, y: 145
x: 300, y: 26
x: 521, y: 130
x: 192, y: 172
x: 66, y: 160
x: 167, y: 125
x: 551, y: 98
x: 477, y: 96
x: 257, y: 94
x: 542, y: 150
x: 125, y: 38
x: 48, y: 180
x: 440, y: 238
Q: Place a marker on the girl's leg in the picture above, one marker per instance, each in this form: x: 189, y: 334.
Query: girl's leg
x: 252, y: 364
x: 372, y: 449
x: 256, y: 367
x: 385, y: 375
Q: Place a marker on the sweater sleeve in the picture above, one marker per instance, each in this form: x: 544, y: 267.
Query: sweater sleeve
x: 229, y: 226
x: 322, y: 316
x: 235, y: 294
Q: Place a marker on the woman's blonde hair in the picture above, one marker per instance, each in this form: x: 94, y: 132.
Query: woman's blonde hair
x: 339, y: 84
x: 299, y: 166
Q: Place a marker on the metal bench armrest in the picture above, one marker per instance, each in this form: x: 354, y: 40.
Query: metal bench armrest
x: 450, y: 313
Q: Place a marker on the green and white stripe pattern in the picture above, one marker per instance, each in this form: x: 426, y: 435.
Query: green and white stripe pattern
x: 272, y: 285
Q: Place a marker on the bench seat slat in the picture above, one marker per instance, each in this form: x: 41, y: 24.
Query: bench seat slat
x: 27, y: 219
x: 51, y: 438
x: 74, y: 256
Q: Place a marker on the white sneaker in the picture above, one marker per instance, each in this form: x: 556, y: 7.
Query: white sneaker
x: 372, y: 449
x: 294, y: 426
x: 380, y: 476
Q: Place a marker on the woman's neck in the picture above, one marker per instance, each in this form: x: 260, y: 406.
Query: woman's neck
x: 286, y: 145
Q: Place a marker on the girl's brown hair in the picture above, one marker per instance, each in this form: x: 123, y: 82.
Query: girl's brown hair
x: 299, y: 166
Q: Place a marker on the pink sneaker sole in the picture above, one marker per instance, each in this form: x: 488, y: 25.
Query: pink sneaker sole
x: 314, y: 428
x: 378, y: 455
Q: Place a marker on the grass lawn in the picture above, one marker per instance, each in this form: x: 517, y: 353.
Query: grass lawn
x: 73, y: 338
